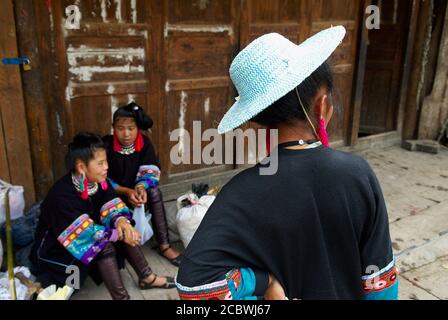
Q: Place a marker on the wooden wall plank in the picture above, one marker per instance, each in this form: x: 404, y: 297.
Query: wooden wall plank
x: 4, y: 165
x: 12, y: 108
x: 415, y: 88
x: 199, y: 43
x: 34, y: 96
x: 327, y: 13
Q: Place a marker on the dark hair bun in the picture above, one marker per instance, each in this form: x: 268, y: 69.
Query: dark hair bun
x: 82, y: 148
x: 133, y: 110
x: 144, y: 121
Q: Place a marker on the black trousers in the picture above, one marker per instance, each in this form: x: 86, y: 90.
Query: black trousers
x: 158, y: 219
x: 104, y: 268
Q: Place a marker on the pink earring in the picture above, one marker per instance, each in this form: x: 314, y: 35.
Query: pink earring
x: 84, y: 187
x: 323, y: 135
x: 104, y: 185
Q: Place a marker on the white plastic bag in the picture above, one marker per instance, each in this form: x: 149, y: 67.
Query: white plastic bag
x: 21, y: 289
x: 190, y: 217
x: 16, y: 201
x: 50, y: 293
x: 142, y: 224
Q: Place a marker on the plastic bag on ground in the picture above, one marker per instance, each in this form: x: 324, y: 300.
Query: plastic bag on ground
x: 189, y: 217
x: 50, y: 293
x: 16, y: 201
x: 21, y: 289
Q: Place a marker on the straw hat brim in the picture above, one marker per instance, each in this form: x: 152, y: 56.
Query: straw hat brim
x: 305, y: 59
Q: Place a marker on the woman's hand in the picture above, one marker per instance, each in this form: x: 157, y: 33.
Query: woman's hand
x: 133, y: 197
x: 127, y: 233
x: 275, y: 290
x: 141, y: 193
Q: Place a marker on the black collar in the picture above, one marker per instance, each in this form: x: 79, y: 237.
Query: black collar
x: 296, y: 143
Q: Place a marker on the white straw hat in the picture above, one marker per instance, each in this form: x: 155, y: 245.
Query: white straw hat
x: 270, y: 67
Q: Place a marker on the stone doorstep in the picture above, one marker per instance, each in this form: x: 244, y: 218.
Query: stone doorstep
x: 428, y: 146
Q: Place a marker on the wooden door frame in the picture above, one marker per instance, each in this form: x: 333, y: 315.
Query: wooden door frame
x: 406, y: 74
x: 16, y: 147
x: 358, y: 85
x: 354, y: 124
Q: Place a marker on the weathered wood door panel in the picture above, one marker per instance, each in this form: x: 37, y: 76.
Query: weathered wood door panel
x: 326, y: 13
x: 289, y: 18
x: 15, y: 155
x: 105, y: 63
x: 384, y: 68
x: 199, y: 43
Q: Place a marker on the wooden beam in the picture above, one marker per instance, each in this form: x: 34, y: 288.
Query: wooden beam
x: 434, y: 110
x: 34, y: 96
x: 12, y: 108
x: 414, y: 96
x: 355, y: 112
x: 4, y: 165
x: 407, y: 64
x: 157, y: 16
x: 61, y: 128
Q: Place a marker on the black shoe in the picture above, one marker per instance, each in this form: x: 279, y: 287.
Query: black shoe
x: 169, y: 284
x: 175, y: 261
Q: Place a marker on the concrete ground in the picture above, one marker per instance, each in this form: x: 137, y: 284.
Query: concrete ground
x: 415, y: 186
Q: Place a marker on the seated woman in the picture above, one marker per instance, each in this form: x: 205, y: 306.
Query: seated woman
x: 84, y: 223
x: 318, y: 224
x: 134, y: 171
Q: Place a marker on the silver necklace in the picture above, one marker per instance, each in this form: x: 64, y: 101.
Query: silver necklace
x: 126, y: 150
x: 92, y: 188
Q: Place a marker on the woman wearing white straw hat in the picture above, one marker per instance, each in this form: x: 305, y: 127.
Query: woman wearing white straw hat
x: 318, y: 228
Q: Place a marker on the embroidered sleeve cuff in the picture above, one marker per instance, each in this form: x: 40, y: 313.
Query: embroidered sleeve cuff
x: 382, y: 285
x: 113, y: 210
x: 85, y: 239
x: 390, y: 293
x: 149, y: 175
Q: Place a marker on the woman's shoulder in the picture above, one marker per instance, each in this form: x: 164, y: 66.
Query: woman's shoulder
x: 243, y: 180
x: 348, y: 164
x: 348, y: 158
x: 62, y: 191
